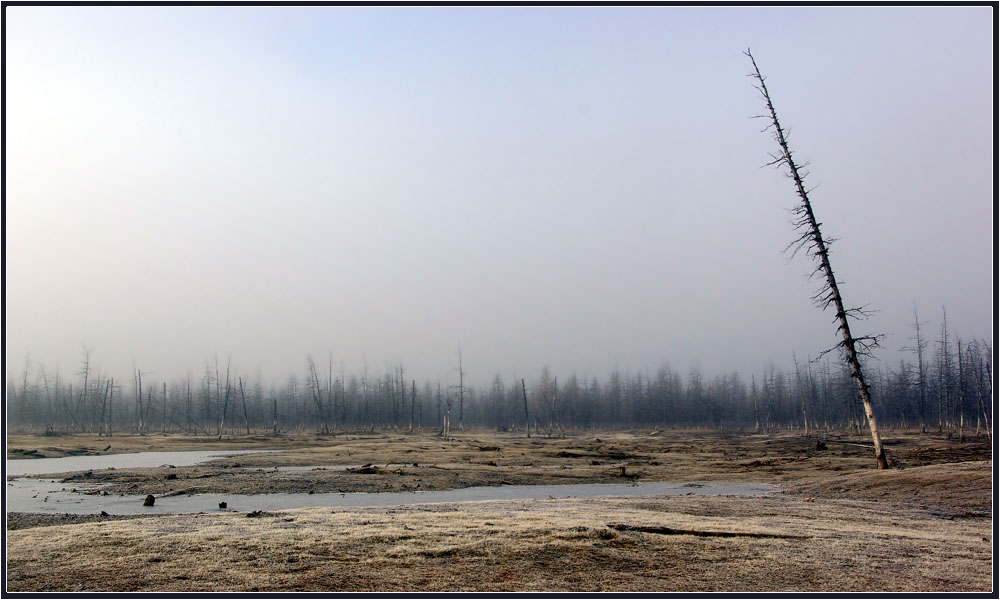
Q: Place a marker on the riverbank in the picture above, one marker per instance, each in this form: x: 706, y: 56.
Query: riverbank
x: 423, y: 461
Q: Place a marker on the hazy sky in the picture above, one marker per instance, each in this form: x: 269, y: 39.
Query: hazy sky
x: 572, y: 187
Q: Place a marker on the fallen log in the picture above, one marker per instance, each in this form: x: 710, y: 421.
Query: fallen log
x: 701, y: 533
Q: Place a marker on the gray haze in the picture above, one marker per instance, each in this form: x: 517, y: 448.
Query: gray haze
x: 572, y: 187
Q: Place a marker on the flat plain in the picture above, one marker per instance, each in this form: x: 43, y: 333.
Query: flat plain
x: 837, y: 525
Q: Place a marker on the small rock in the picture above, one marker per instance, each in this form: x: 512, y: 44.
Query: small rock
x: 104, y: 513
x: 223, y: 505
x: 172, y: 476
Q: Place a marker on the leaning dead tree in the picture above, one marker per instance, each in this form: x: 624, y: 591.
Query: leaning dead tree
x: 817, y: 246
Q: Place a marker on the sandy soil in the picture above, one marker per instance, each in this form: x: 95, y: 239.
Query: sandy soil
x: 925, y: 525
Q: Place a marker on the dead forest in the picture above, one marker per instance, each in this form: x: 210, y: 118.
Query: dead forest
x: 947, y: 386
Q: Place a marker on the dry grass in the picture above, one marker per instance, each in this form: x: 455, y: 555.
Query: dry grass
x: 845, y: 527
x: 566, y: 544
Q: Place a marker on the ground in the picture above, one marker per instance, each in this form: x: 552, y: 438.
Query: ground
x: 840, y: 525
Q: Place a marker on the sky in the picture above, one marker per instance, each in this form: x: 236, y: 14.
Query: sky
x: 574, y: 187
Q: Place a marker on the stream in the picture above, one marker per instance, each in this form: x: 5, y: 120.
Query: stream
x: 23, y: 494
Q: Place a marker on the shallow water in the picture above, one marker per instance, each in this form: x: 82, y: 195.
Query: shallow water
x: 51, y: 496
x: 47, y: 495
x: 40, y: 466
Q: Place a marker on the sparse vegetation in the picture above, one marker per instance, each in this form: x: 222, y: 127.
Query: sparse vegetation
x: 931, y: 514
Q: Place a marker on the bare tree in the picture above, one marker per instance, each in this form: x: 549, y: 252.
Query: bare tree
x: 138, y: 383
x: 246, y: 419
x: 316, y: 389
x: 81, y: 404
x: 961, y: 393
x: 104, y: 407
x: 944, y: 375
x: 919, y: 345
x: 461, y: 391
x: 802, y: 394
x: 818, y: 247
x: 163, y: 417
x: 527, y: 423
x: 413, y: 401
x: 225, y: 399
x: 756, y: 408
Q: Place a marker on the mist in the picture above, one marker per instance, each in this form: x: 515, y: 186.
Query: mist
x: 578, y: 188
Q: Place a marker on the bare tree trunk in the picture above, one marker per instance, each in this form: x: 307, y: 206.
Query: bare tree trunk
x: 830, y: 294
x: 111, y: 397
x: 164, y: 404
x: 314, y: 387
x: 961, y: 395
x: 413, y: 401
x: 331, y: 398
x: 50, y: 415
x: 527, y: 423
x: 461, y: 390
x: 274, y: 413
x: 446, y: 424
x: 756, y: 408
x: 104, y: 407
x: 82, y: 404
x: 246, y: 419
x: 944, y: 376
x: 149, y: 404
x: 982, y: 405
x: 802, y: 396
x: 225, y: 403
x: 440, y: 414
x: 921, y: 345
x: 139, y: 399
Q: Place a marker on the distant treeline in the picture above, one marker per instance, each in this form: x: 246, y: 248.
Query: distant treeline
x: 950, y: 390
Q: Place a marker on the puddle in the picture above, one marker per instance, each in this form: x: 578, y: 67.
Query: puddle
x: 40, y: 466
x: 47, y: 495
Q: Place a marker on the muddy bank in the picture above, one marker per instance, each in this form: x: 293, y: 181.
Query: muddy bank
x: 27, y: 520
x: 236, y: 479
x: 423, y: 461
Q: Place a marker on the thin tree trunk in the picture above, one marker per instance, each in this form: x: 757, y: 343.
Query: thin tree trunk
x: 831, y: 295
x: 104, y: 408
x: 527, y: 422
x: 164, y: 404
x: 246, y: 418
x: 139, y: 376
x: 111, y: 397
x: 413, y: 401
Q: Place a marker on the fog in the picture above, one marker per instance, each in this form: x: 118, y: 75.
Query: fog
x: 578, y: 188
